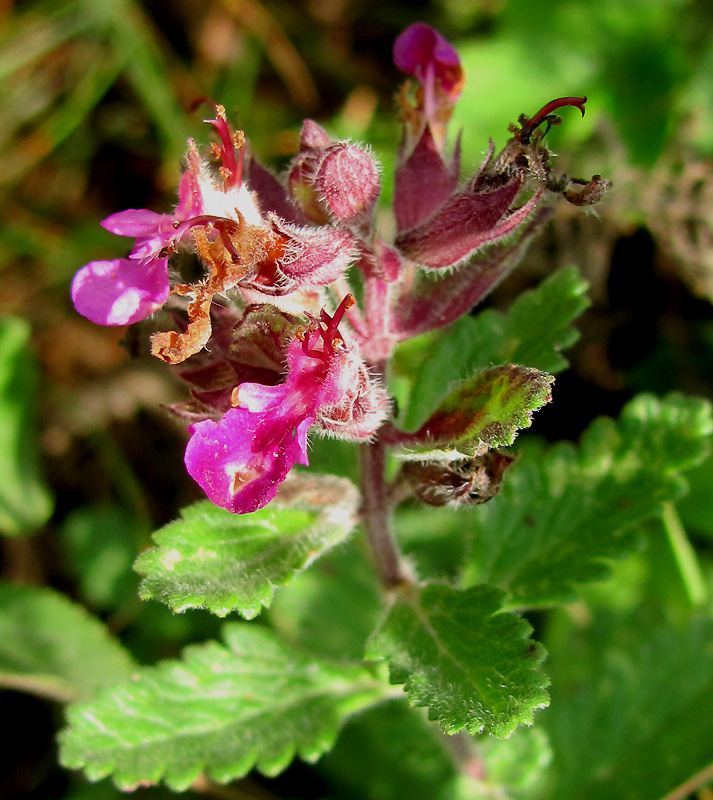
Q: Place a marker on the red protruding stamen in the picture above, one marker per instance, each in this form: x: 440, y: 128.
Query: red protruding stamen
x: 233, y: 171
x: 541, y: 116
x: 327, y: 328
x: 346, y: 304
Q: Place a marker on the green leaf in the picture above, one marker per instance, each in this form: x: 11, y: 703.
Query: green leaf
x: 631, y: 706
x: 488, y: 409
x: 696, y: 508
x: 51, y: 647
x: 406, y: 755
x: 563, y: 510
x: 472, y: 665
x: 222, y: 709
x: 25, y: 503
x: 221, y: 561
x: 533, y: 332
x: 515, y: 768
x: 410, y: 758
x: 332, y: 608
x: 101, y: 544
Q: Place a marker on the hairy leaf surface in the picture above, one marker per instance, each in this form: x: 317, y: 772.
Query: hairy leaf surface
x: 533, y: 332
x: 222, y: 709
x: 221, y: 561
x: 563, y: 510
x: 487, y: 410
x: 472, y: 665
x: 51, y: 647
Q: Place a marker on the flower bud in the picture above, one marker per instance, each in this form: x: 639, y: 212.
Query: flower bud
x: 347, y: 183
x: 300, y: 180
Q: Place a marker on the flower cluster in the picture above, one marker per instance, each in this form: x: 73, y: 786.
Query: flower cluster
x: 288, y: 350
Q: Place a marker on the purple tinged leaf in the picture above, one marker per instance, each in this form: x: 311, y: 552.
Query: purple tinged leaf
x: 486, y: 411
x: 313, y: 136
x: 314, y: 256
x: 434, y: 304
x: 271, y: 194
x: 472, y: 218
x: 388, y: 262
x: 120, y: 292
x: 422, y: 183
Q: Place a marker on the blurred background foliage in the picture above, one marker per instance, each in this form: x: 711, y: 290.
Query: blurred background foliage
x: 96, y: 101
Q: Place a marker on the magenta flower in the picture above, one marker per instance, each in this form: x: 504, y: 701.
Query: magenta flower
x: 422, y: 52
x: 126, y: 290
x: 122, y: 291
x: 241, y: 460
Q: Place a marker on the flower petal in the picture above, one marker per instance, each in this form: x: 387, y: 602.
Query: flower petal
x: 120, y: 292
x: 420, y: 46
x: 240, y: 461
x: 133, y: 222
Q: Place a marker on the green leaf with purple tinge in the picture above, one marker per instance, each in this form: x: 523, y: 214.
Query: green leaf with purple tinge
x: 487, y: 410
x: 457, y: 653
x: 534, y: 332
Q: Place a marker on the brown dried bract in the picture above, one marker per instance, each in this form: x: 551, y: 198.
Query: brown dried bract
x: 466, y: 481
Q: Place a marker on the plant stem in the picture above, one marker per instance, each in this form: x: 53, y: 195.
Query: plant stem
x: 47, y: 686
x: 693, y: 783
x: 685, y: 556
x: 376, y: 515
x: 376, y: 508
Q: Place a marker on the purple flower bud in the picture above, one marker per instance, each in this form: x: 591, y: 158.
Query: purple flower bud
x: 314, y: 140
x: 347, y: 183
x: 423, y: 168
x: 422, y: 52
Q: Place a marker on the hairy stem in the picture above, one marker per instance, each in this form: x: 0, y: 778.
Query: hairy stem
x: 376, y: 505
x: 376, y: 515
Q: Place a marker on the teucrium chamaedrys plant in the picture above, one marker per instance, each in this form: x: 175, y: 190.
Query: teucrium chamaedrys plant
x: 290, y: 352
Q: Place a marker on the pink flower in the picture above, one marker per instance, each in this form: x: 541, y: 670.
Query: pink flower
x: 241, y: 247
x: 422, y: 52
x: 241, y: 460
x: 422, y: 161
x: 120, y: 292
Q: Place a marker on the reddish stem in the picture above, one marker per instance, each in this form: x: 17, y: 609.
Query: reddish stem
x: 376, y: 503
x: 561, y: 102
